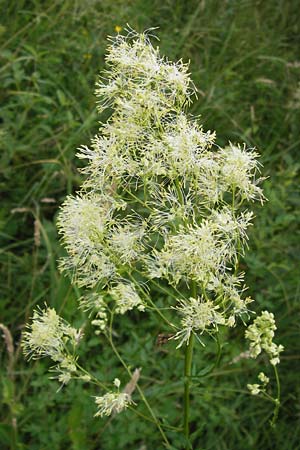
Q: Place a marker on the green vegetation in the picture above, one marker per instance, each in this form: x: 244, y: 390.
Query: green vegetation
x: 245, y: 63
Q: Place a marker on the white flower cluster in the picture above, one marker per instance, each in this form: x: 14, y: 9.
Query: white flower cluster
x: 149, y: 135
x: 113, y: 402
x: 96, y: 305
x: 260, y: 334
x: 84, y: 222
x: 50, y: 335
x: 256, y: 388
x: 159, y: 194
x: 160, y: 200
x: 126, y: 242
x: 197, y: 314
x: 126, y: 298
x: 201, y: 252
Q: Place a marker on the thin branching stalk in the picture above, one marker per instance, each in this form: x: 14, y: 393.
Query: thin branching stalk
x: 277, y: 399
x: 187, y: 381
x: 155, y: 420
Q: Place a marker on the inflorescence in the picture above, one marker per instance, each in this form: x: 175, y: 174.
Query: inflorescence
x: 160, y: 202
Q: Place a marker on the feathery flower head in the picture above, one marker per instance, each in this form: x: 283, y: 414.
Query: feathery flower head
x: 196, y: 252
x: 126, y: 298
x: 140, y: 77
x: 229, y: 225
x: 112, y: 402
x: 48, y: 334
x: 198, y: 315
x: 126, y: 241
x: 238, y: 171
x: 83, y: 222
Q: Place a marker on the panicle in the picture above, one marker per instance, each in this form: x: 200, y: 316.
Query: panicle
x: 198, y: 315
x: 160, y: 200
x: 83, y: 222
x: 47, y: 334
x: 112, y: 402
x: 50, y: 335
x: 239, y: 167
x: 184, y: 218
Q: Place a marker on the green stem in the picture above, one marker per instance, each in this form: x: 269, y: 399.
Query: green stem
x: 149, y: 300
x: 277, y: 400
x: 155, y: 420
x: 187, y: 379
x: 179, y: 191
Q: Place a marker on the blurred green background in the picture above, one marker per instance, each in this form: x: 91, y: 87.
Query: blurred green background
x: 245, y: 61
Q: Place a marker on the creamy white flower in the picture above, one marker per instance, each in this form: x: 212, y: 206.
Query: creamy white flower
x: 112, y: 402
x: 232, y: 226
x: 83, y: 222
x: 254, y: 388
x: 47, y: 335
x: 196, y: 252
x: 136, y: 61
x: 238, y: 171
x: 126, y: 298
x: 198, y: 315
x: 208, y: 186
x: 260, y: 334
x: 64, y: 377
x: 263, y: 378
x: 50, y: 335
x: 126, y: 241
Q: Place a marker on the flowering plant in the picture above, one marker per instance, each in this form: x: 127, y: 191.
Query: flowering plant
x: 162, y: 207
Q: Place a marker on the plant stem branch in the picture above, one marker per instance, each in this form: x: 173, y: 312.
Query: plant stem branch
x: 277, y: 400
x: 155, y: 420
x: 187, y: 379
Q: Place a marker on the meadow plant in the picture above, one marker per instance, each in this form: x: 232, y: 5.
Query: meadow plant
x: 162, y: 209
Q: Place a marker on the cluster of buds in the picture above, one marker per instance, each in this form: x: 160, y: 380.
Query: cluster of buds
x: 260, y: 334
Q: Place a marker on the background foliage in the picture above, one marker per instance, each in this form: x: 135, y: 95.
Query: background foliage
x: 245, y: 62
